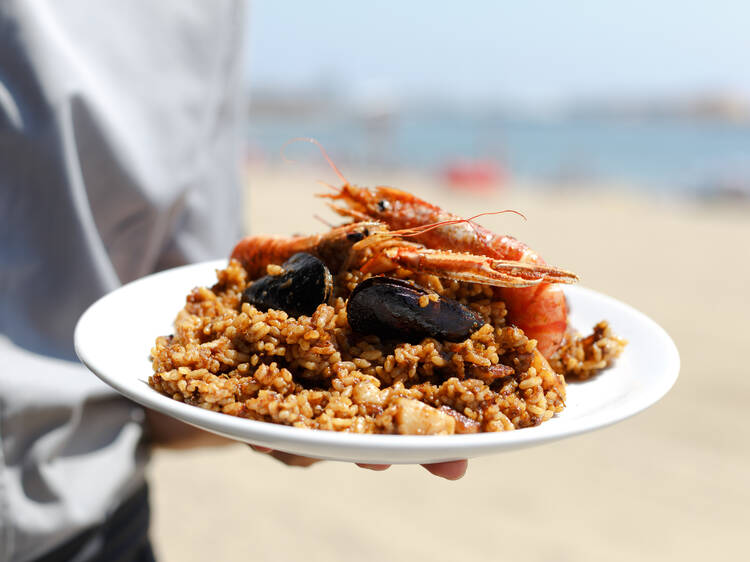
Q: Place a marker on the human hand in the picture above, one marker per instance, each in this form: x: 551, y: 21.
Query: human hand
x: 286, y: 458
x: 452, y: 470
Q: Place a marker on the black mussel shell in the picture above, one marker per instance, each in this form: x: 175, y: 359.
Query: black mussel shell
x: 298, y: 290
x: 390, y: 308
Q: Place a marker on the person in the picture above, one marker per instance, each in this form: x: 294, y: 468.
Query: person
x: 120, y: 129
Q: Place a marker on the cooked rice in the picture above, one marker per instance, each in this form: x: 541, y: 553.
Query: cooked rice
x: 314, y: 372
x: 580, y: 358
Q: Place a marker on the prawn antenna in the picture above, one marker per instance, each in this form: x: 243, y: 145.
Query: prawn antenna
x: 322, y: 151
x: 328, y: 185
x: 417, y: 230
x: 483, y: 239
x: 321, y: 219
x: 470, y: 219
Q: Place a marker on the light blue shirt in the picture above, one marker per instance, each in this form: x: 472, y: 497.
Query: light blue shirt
x: 119, y: 156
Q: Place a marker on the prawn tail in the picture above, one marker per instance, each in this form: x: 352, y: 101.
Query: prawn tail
x: 541, y: 312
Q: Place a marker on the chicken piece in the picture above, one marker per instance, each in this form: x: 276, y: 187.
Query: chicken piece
x: 416, y: 418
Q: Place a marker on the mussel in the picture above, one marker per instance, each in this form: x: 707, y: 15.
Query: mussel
x: 304, y: 283
x: 390, y: 308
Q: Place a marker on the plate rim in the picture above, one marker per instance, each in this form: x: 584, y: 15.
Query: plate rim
x: 262, y: 433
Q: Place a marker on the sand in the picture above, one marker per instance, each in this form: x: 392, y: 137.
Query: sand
x: 669, y: 484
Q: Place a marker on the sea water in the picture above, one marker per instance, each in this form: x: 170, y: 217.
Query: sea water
x: 656, y: 154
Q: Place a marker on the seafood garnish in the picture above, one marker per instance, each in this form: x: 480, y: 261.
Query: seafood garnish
x: 539, y: 308
x: 396, y: 309
x: 302, y: 284
x: 373, y: 248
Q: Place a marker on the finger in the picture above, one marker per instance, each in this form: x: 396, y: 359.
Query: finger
x: 378, y: 467
x: 259, y: 449
x: 293, y: 460
x: 452, y: 470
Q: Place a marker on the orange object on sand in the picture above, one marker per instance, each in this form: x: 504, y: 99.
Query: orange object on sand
x: 474, y: 174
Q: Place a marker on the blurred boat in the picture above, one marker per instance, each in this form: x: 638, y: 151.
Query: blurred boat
x: 474, y: 175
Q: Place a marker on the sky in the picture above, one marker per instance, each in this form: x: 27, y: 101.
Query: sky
x: 535, y: 52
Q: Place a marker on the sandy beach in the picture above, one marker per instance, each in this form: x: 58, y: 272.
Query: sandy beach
x: 669, y: 484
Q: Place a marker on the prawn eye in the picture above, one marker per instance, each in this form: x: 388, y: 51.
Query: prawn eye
x: 356, y: 236
x: 384, y: 205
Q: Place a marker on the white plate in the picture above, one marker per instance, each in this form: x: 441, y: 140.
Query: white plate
x: 114, y: 336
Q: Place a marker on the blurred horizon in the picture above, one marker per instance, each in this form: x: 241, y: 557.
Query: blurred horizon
x: 640, y: 93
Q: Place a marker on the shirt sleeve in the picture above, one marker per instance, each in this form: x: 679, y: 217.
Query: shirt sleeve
x: 119, y: 155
